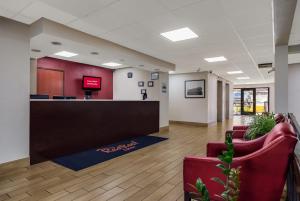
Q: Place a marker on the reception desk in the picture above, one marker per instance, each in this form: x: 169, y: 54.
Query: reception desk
x: 62, y: 127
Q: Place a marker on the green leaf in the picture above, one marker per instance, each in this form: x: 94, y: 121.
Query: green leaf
x: 221, y: 166
x: 218, y: 180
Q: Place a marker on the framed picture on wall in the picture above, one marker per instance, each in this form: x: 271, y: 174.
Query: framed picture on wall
x: 154, y: 75
x: 140, y: 83
x: 164, y: 87
x: 129, y: 75
x: 194, y: 88
x: 150, y: 83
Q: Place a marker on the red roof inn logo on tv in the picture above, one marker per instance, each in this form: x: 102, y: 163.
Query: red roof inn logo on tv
x: 91, y: 83
x: 121, y: 147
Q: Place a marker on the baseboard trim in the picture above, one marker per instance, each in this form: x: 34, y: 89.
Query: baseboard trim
x: 193, y: 123
x: 164, y: 129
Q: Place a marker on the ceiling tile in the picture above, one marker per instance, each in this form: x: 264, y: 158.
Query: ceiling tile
x: 39, y: 9
x: 79, y: 8
x: 15, y: 6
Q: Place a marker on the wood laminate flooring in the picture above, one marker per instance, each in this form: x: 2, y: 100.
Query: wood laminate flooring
x: 149, y: 174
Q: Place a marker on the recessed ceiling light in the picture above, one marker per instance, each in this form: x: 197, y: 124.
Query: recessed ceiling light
x: 35, y: 50
x: 243, y: 78
x: 66, y: 54
x: 112, y: 64
x: 235, y: 72
x: 179, y: 34
x: 215, y: 59
x: 94, y: 53
x: 55, y: 43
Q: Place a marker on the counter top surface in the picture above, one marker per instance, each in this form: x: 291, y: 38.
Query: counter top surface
x: 89, y: 100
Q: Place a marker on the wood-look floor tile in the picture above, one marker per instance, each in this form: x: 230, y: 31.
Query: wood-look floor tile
x: 152, y: 173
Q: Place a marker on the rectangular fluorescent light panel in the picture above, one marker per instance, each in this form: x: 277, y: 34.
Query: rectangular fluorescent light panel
x: 215, y: 59
x: 180, y: 34
x: 243, y: 78
x: 66, y: 54
x: 235, y: 72
x: 112, y: 64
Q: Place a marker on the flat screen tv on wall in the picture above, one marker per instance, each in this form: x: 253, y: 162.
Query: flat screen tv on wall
x: 91, y: 83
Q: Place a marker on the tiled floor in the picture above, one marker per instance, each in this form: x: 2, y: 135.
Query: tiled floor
x: 152, y: 173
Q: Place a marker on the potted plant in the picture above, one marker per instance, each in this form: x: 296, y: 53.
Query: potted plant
x: 232, y: 182
x: 261, y: 125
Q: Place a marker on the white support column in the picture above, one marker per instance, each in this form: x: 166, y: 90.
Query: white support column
x: 281, y: 79
x: 33, y: 76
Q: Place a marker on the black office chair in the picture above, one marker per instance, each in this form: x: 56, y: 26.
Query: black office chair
x: 70, y: 97
x: 59, y: 97
x: 39, y: 96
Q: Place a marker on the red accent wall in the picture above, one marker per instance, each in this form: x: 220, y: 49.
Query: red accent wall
x: 73, y: 73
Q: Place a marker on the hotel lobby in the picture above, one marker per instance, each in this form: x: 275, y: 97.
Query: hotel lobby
x: 131, y: 100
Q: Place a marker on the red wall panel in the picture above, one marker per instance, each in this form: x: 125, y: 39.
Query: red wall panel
x: 73, y: 73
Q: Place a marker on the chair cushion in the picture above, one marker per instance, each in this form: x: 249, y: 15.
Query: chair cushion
x: 279, y: 130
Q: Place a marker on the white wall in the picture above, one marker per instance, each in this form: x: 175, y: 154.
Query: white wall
x: 272, y: 92
x: 33, y: 76
x: 213, y: 97
x: 14, y: 87
x: 294, y: 90
x: 187, y: 109
x: 127, y: 89
x: 196, y: 110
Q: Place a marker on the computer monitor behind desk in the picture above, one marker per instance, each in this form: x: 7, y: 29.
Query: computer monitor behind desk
x: 39, y: 96
x: 58, y: 97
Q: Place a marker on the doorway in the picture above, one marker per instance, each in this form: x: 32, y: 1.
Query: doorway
x: 220, y: 101
x: 248, y: 101
x: 50, y: 82
x: 251, y: 101
x: 227, y: 101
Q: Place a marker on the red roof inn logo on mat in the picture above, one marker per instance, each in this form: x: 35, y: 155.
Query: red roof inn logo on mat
x: 123, y: 147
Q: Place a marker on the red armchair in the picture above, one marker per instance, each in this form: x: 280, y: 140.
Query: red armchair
x: 264, y: 165
x: 243, y: 128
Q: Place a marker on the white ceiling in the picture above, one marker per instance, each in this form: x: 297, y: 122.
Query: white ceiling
x: 240, y: 30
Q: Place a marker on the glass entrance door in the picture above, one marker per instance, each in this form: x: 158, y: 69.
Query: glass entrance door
x: 248, y: 97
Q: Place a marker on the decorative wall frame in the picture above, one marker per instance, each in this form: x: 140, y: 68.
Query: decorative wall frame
x: 143, y: 91
x: 164, y: 87
x: 154, y: 75
x: 150, y: 84
x: 194, y: 88
x: 141, y: 83
x: 129, y: 75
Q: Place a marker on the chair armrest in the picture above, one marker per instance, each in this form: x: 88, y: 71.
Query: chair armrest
x: 214, y: 149
x: 240, y: 127
x: 204, y: 168
x: 237, y: 134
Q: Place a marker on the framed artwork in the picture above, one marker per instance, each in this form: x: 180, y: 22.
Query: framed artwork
x: 129, y: 75
x: 164, y: 87
x: 143, y: 91
x: 140, y: 83
x: 155, y: 76
x: 150, y: 83
x: 194, y: 89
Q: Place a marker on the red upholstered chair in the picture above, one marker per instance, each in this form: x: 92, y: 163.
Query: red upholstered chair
x: 264, y: 163
x: 234, y: 128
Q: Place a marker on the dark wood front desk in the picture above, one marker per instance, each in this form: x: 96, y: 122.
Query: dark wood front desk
x: 59, y: 128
